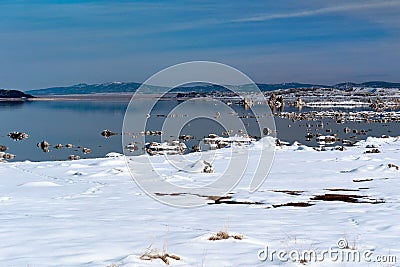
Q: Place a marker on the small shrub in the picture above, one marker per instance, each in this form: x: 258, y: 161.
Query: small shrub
x: 152, y: 254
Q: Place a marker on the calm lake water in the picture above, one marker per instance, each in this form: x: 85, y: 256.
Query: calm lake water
x: 81, y: 122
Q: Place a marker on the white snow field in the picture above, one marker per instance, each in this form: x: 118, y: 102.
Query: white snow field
x: 91, y: 213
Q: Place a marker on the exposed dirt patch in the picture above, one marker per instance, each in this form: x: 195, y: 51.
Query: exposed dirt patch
x: 347, y: 198
x: 342, y: 189
x: 289, y: 192
x: 363, y: 180
x: 217, y: 199
x: 293, y: 204
x: 229, y: 200
x: 169, y: 194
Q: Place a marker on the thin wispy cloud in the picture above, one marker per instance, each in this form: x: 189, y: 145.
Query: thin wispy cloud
x: 320, y: 11
x: 65, y: 42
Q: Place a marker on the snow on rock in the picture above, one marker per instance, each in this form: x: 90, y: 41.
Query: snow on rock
x: 113, y: 155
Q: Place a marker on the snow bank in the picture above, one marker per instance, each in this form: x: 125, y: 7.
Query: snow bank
x: 91, y: 213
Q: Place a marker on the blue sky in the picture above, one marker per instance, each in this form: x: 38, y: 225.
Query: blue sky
x: 49, y: 43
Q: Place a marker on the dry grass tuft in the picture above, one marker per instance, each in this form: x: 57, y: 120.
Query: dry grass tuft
x: 152, y: 254
x: 162, y: 256
x: 221, y: 235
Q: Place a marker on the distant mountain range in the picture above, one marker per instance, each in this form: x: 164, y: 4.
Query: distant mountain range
x: 83, y: 88
x: 131, y: 87
x: 372, y: 84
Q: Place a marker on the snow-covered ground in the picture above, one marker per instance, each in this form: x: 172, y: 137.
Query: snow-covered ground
x: 91, y: 213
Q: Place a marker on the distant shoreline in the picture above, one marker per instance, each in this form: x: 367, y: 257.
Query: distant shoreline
x: 14, y: 99
x: 93, y: 97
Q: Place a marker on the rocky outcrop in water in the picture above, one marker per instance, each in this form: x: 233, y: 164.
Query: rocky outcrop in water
x: 58, y: 146
x: 276, y: 102
x: 107, y: 133
x: 17, y: 136
x: 73, y: 157
x: 86, y: 150
x: 44, y: 145
x: 6, y: 156
x: 299, y: 102
x: 196, y: 148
